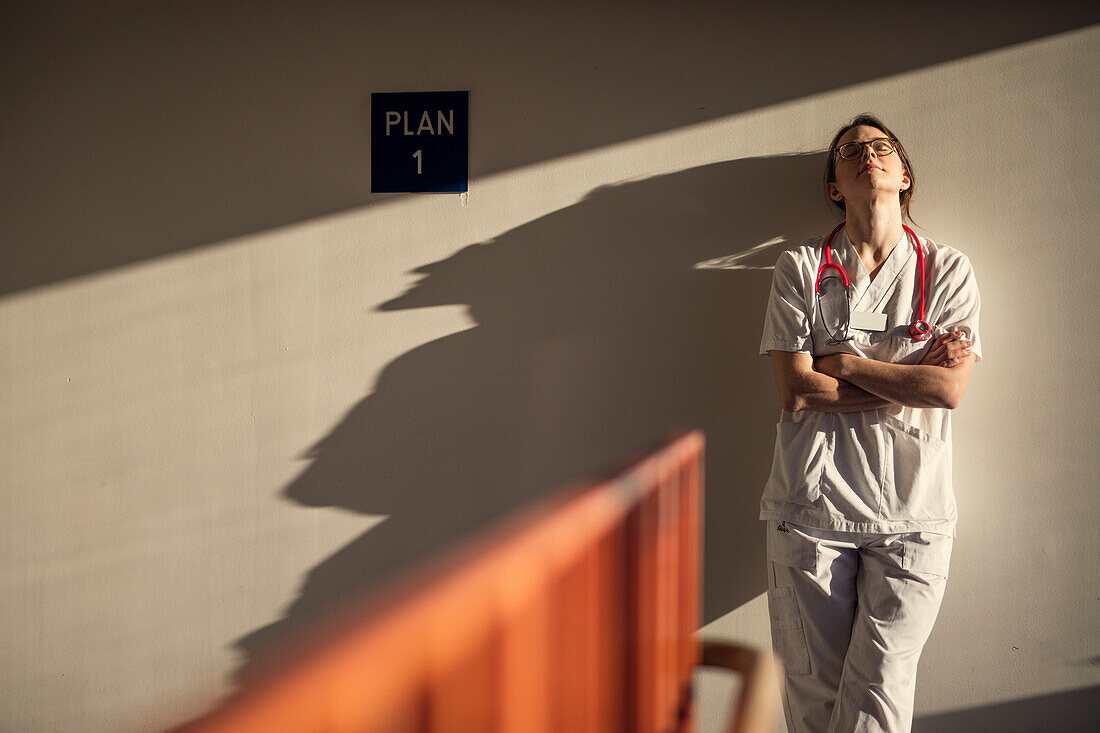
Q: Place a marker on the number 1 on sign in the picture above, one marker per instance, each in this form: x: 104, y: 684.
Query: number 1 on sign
x: 419, y: 161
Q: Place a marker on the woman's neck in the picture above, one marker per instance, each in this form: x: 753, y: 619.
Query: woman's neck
x: 873, y: 231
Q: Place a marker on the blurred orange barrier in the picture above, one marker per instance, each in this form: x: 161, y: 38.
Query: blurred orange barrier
x: 577, y: 616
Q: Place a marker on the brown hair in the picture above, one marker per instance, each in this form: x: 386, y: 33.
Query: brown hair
x: 870, y: 121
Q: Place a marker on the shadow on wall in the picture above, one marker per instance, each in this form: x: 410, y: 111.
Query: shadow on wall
x: 136, y: 130
x: 1065, y: 712
x: 598, y: 333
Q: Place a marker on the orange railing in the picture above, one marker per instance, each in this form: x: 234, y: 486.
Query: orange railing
x: 578, y: 616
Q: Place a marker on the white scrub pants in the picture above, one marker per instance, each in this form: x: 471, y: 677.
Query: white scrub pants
x: 850, y: 614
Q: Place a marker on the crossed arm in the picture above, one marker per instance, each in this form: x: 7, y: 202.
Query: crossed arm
x: 847, y: 383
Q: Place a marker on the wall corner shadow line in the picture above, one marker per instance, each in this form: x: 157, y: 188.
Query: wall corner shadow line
x: 1072, y: 711
x: 596, y: 335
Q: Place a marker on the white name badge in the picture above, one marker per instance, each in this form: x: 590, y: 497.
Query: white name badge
x: 864, y: 321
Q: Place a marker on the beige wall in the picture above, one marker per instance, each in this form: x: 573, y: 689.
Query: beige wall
x: 237, y: 389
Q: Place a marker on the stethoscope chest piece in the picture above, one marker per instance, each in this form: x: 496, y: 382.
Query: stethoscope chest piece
x: 920, y: 330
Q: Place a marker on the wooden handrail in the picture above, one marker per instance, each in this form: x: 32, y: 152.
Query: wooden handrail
x: 758, y: 699
x: 577, y: 616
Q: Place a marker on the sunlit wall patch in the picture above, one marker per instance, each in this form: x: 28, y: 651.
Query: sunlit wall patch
x: 759, y: 257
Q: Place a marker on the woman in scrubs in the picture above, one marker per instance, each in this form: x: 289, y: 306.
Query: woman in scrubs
x: 859, y: 503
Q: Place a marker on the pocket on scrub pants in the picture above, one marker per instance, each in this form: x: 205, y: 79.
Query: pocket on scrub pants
x: 788, y: 635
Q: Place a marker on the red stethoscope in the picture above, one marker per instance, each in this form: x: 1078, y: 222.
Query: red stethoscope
x: 918, y: 328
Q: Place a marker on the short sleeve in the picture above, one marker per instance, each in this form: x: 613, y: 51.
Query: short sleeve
x: 961, y: 303
x: 787, y: 319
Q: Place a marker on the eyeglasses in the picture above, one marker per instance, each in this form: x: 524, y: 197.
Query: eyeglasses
x: 881, y: 146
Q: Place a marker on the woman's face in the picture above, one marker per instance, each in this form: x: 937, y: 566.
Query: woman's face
x: 868, y: 175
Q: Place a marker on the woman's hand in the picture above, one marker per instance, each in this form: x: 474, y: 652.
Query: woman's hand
x: 948, y: 350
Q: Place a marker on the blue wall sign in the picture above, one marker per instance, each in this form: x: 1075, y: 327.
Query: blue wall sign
x: 419, y: 142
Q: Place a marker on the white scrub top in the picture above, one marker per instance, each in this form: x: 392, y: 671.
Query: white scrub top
x: 876, y: 471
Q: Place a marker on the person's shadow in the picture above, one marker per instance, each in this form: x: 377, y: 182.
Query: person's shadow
x: 601, y: 328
